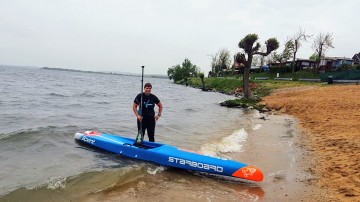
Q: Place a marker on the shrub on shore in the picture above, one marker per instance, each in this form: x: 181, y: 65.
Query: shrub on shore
x: 233, y: 86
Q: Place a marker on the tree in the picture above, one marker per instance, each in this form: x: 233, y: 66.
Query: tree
x: 247, y: 44
x: 321, y: 44
x: 224, y: 59
x: 183, y: 71
x: 221, y: 61
x: 201, y: 75
x: 214, y: 64
x: 259, y: 60
x: 190, y: 70
x: 285, y: 54
x: 314, y: 57
x: 297, y: 40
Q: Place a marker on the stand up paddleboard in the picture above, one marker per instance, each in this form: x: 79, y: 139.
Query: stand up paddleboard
x: 170, y: 156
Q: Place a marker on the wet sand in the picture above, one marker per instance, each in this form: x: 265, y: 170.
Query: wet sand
x: 330, y: 119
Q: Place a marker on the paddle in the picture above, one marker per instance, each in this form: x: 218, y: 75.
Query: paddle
x: 140, y: 135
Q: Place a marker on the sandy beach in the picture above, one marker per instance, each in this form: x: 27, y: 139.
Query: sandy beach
x: 329, y: 117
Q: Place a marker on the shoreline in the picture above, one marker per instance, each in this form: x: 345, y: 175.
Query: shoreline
x: 329, y: 118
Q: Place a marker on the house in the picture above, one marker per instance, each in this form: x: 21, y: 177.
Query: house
x: 238, y: 68
x: 333, y: 63
x: 301, y: 64
x: 356, y: 59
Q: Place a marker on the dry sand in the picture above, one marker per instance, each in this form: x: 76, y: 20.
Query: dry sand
x: 330, y: 119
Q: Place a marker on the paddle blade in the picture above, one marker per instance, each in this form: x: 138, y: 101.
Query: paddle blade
x: 139, y: 138
x: 249, y: 173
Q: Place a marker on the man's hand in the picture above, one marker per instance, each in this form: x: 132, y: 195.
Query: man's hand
x: 139, y: 117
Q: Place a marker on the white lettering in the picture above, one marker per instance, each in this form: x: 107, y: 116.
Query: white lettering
x: 88, y: 140
x: 195, y: 164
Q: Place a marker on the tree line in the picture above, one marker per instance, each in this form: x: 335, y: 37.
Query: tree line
x: 253, y: 52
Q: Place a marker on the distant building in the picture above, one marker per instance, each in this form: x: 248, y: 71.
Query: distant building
x: 238, y: 68
x: 333, y: 63
x: 356, y: 59
x: 300, y: 64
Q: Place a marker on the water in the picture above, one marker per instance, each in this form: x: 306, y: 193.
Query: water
x: 42, y: 109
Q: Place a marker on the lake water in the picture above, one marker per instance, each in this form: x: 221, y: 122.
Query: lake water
x: 40, y: 111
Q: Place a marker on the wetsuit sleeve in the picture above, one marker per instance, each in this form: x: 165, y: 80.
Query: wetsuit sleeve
x: 156, y: 100
x: 137, y: 99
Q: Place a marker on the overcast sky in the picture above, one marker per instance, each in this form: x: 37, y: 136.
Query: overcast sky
x: 122, y: 35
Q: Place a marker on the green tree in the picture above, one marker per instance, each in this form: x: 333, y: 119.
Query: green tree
x: 201, y: 75
x: 283, y: 56
x: 183, y: 71
x: 314, y: 57
x: 247, y: 44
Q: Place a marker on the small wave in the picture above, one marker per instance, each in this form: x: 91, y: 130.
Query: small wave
x: 102, y: 103
x: 56, y: 183
x: 87, y: 94
x: 278, y: 176
x: 232, y: 143
x: 257, y: 127
x: 36, y: 132
x: 53, y: 183
x: 156, y: 170
x: 93, y: 94
x: 256, y: 115
x: 190, y: 110
x: 58, y: 95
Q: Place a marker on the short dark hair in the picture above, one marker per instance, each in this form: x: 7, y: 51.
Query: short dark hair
x: 148, y: 85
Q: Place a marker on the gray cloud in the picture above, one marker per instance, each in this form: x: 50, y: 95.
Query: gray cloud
x: 122, y: 35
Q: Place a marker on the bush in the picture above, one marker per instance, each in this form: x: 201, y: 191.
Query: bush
x: 280, y: 69
x: 357, y: 67
x: 345, y: 67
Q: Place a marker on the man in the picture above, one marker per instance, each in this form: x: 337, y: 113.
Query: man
x: 147, y: 116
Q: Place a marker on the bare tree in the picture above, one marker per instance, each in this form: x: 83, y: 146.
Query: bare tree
x: 224, y: 59
x: 247, y: 44
x: 297, y: 39
x: 321, y: 44
x: 259, y: 60
x: 213, y: 63
x: 221, y: 61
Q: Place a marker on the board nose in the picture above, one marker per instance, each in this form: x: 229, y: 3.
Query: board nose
x: 249, y: 173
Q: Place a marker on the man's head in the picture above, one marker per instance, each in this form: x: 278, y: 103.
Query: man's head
x: 148, y: 85
x: 147, y: 88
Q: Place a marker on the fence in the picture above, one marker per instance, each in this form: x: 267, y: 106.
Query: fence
x: 345, y: 75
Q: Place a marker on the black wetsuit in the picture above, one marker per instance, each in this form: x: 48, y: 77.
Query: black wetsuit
x: 148, y: 114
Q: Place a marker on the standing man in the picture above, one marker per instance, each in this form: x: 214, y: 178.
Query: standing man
x: 147, y: 116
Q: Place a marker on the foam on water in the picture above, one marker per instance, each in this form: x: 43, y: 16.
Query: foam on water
x: 56, y: 183
x: 52, y: 184
x: 232, y: 143
x: 154, y: 171
x: 257, y: 127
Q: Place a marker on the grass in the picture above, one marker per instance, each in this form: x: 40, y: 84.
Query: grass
x: 296, y: 76
x: 228, y: 85
x: 223, y: 85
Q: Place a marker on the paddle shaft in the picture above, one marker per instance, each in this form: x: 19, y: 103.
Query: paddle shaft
x: 140, y: 133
